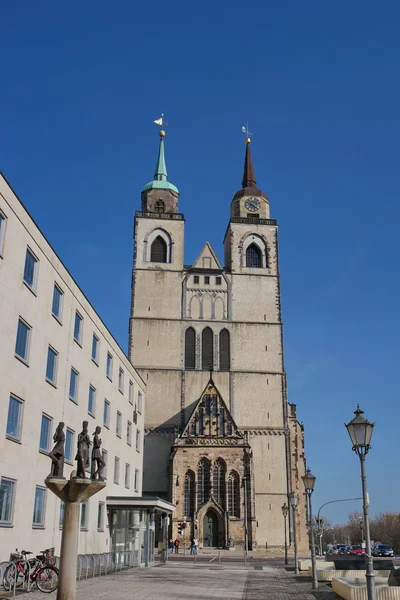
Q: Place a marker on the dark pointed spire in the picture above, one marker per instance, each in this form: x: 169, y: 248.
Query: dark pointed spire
x: 249, y: 177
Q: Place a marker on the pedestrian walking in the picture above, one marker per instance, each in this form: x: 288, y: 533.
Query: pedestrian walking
x: 170, y: 546
x: 195, y: 545
x: 176, y: 544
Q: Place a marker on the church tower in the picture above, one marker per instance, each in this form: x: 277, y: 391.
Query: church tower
x: 207, y: 340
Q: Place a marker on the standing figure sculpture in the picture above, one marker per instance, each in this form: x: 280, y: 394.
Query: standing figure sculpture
x: 82, y: 456
x: 97, y: 456
x: 57, y: 454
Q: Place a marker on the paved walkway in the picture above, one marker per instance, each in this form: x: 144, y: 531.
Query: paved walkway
x: 197, y: 583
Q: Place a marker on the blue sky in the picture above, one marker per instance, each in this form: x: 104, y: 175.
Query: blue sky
x: 318, y: 83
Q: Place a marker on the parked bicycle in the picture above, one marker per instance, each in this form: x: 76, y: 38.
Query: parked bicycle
x: 41, y: 570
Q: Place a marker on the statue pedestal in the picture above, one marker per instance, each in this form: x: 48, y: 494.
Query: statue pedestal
x: 72, y: 492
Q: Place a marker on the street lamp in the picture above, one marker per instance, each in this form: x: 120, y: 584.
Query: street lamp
x: 360, y: 432
x: 285, y: 510
x: 309, y: 483
x: 293, y: 503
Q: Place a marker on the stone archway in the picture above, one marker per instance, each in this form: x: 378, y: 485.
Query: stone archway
x: 211, y: 533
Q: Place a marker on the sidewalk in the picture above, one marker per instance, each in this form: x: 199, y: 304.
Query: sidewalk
x: 188, y: 582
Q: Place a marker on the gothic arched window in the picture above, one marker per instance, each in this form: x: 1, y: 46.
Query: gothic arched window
x: 160, y: 206
x: 253, y: 257
x: 224, y: 351
x: 234, y: 495
x: 203, y: 482
x: 189, y: 494
x: 219, y: 472
x: 190, y: 348
x: 207, y: 349
x: 158, y: 250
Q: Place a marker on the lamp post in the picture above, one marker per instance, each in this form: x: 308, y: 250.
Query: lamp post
x: 293, y: 504
x: 285, y: 510
x: 360, y: 432
x: 309, y: 483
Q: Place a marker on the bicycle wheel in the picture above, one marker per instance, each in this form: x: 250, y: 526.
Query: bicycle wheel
x: 9, y: 577
x: 47, y: 579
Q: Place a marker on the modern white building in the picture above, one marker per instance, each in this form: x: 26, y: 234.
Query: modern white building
x: 58, y: 362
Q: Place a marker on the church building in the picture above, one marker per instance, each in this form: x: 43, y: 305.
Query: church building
x: 222, y: 442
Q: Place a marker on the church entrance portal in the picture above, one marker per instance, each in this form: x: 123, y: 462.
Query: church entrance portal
x: 210, y: 529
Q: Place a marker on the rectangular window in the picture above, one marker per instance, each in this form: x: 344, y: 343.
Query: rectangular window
x: 218, y: 280
x: 51, y: 367
x: 7, y: 492
x: 206, y: 262
x: 69, y: 445
x: 39, y: 507
x: 30, y: 269
x: 116, y: 470
x: 100, y: 516
x: 136, y: 481
x: 45, y: 433
x: 95, y: 349
x: 129, y: 433
x: 127, y: 476
x: 104, y: 454
x: 3, y: 221
x: 61, y: 518
x: 206, y: 279
x: 140, y: 402
x: 73, y: 385
x: 106, y: 414
x: 84, y: 515
x: 92, y: 400
x: 130, y: 395
x: 14, y: 419
x: 23, y: 339
x: 119, y: 424
x: 78, y: 326
x: 109, y: 367
x: 196, y: 279
x: 121, y: 380
x: 138, y: 440
x: 56, y: 308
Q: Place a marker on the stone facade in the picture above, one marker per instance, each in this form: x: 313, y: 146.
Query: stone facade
x: 188, y: 319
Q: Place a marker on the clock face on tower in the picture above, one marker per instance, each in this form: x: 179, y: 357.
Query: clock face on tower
x: 252, y: 204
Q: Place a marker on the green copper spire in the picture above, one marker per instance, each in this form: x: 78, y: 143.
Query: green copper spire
x: 160, y: 175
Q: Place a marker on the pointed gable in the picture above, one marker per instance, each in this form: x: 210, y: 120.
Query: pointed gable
x: 211, y: 417
x: 207, y: 259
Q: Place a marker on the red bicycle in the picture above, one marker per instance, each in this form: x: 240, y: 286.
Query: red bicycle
x: 40, y: 570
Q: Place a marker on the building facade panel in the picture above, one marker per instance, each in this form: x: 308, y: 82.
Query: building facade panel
x: 41, y: 384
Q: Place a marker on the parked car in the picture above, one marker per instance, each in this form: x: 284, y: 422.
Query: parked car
x: 356, y: 550
x: 341, y: 548
x: 344, y: 550
x: 382, y: 550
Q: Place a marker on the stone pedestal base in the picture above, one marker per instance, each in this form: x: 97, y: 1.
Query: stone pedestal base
x: 72, y: 492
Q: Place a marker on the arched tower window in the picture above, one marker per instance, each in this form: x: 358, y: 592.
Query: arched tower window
x: 203, y: 482
x: 159, y: 206
x: 158, y: 250
x: 234, y: 495
x: 207, y: 350
x: 189, y: 494
x: 224, y: 351
x: 253, y: 257
x: 190, y: 348
x: 219, y: 472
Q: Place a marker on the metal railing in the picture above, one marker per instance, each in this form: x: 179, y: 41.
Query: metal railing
x: 94, y: 565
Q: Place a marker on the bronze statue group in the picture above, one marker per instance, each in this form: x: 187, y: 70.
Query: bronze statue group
x: 82, y: 456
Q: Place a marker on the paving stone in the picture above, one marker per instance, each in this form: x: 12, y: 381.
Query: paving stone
x: 189, y: 582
